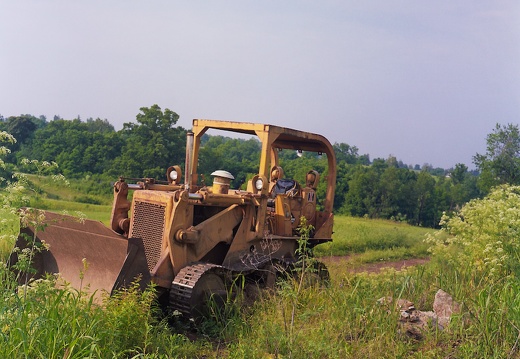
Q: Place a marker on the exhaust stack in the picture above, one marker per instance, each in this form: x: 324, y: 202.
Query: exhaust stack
x: 188, y: 165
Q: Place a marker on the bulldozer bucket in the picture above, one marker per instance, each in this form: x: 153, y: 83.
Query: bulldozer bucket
x: 88, y: 255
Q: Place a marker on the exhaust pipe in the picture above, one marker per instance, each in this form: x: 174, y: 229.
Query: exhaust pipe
x: 189, y: 156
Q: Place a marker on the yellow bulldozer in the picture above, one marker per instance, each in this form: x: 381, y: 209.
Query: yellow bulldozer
x: 190, y: 239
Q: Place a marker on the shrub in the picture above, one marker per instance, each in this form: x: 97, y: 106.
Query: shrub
x: 87, y: 199
x: 484, y: 234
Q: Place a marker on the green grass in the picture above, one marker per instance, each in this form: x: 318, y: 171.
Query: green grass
x: 42, y: 321
x: 345, y: 320
x: 342, y: 320
x: 9, y: 222
x: 375, y: 240
x: 76, y: 190
x: 9, y: 227
x: 73, y: 198
x: 45, y: 194
x: 91, y: 211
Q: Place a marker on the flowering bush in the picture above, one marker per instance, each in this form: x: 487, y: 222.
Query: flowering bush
x: 5, y: 138
x: 484, y: 235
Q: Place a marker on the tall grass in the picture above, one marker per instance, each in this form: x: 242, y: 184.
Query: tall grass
x: 9, y: 227
x: 340, y: 321
x: 345, y: 320
x: 45, y: 321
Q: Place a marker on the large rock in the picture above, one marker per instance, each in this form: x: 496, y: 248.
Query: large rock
x: 444, y: 307
x: 413, y: 322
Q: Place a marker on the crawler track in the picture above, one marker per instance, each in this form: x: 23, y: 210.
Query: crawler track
x: 196, y: 283
x: 183, y: 295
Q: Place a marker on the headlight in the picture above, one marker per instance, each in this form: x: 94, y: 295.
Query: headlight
x: 259, y: 184
x: 173, y: 175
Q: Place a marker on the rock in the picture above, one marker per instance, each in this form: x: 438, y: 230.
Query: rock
x: 413, y: 323
x: 444, y: 307
x: 405, y: 305
x: 385, y: 300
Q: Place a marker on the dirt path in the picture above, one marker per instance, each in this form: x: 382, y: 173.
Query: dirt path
x: 373, y: 267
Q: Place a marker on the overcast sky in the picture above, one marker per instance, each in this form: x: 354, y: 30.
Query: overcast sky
x: 424, y: 81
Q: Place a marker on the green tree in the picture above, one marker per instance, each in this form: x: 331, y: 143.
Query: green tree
x: 74, y: 145
x: 425, y: 189
x: 361, y: 198
x: 458, y: 175
x: 349, y: 154
x: 501, y: 162
x: 238, y: 156
x: 151, y: 145
x: 396, y: 190
x: 99, y: 125
x: 21, y: 127
x: 464, y: 186
x: 342, y: 177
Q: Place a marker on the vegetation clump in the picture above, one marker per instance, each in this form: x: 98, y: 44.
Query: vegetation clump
x: 44, y: 320
x: 483, y: 234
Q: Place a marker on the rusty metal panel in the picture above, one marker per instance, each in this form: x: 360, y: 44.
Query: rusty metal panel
x: 71, y: 243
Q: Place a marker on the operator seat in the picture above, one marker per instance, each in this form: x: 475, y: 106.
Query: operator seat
x: 276, y: 174
x: 309, y: 196
x: 280, y: 185
x: 284, y: 203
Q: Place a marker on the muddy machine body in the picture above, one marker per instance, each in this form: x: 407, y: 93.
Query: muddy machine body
x: 190, y: 239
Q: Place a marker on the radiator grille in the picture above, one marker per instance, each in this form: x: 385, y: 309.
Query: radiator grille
x: 148, y: 224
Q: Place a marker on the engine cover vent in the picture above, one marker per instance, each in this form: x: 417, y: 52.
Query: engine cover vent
x: 148, y: 224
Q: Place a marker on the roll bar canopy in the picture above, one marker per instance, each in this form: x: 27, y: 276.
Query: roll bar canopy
x: 272, y: 138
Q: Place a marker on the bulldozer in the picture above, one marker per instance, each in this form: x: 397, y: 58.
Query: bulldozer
x: 191, y: 239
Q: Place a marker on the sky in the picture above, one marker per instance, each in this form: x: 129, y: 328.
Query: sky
x: 423, y: 81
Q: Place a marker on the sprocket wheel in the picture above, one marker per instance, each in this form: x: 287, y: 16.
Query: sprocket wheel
x: 209, y: 296
x: 199, y: 290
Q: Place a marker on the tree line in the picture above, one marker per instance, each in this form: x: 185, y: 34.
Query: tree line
x: 379, y: 188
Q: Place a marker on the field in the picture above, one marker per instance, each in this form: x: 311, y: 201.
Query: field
x: 341, y: 320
